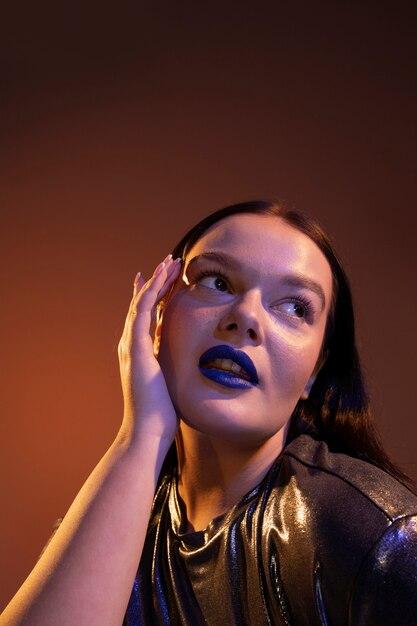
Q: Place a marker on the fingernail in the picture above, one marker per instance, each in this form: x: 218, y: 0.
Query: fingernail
x: 159, y: 269
x: 167, y: 258
x: 178, y: 260
x: 136, y: 278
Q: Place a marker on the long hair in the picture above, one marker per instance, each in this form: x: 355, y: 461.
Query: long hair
x: 337, y: 410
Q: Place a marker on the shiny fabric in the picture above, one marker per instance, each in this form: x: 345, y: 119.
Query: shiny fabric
x: 324, y: 540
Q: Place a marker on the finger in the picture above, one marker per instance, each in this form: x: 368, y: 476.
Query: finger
x: 138, y: 283
x: 164, y: 264
x: 174, y: 272
x: 148, y: 295
x: 171, y: 272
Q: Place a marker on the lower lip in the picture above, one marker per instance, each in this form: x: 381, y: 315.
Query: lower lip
x: 226, y: 379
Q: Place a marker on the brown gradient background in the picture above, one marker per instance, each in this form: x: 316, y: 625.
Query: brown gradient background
x: 120, y: 127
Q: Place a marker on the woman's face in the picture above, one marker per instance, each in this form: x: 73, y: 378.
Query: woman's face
x: 255, y: 285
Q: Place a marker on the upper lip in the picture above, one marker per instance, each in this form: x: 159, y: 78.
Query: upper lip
x: 238, y: 356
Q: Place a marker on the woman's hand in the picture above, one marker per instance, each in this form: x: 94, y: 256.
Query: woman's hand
x: 147, y: 404
x: 70, y: 583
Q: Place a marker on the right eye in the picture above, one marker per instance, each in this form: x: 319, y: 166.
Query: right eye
x: 212, y: 281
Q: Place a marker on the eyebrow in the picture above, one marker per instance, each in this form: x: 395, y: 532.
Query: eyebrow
x: 227, y: 261
x: 301, y: 281
x: 292, y: 280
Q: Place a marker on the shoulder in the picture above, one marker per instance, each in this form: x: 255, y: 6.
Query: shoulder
x: 317, y: 469
x: 385, y: 590
x: 357, y: 528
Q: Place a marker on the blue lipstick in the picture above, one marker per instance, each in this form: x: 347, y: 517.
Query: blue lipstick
x: 228, y: 378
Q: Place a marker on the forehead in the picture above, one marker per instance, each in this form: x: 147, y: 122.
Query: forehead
x: 267, y: 247
x: 264, y: 239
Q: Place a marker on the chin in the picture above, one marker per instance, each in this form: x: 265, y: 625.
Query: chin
x: 235, y: 426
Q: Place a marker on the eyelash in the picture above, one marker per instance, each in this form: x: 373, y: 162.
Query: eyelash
x: 300, y: 299
x: 211, y: 274
x: 305, y: 303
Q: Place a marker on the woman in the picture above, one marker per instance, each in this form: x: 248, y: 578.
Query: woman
x: 277, y: 504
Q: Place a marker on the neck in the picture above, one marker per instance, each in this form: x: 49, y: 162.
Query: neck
x: 215, y: 474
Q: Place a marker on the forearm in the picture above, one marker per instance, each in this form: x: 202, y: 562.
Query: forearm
x: 86, y: 573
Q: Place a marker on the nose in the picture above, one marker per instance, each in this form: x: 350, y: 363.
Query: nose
x: 241, y: 321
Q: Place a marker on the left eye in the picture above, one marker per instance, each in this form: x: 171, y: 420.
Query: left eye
x: 214, y: 282
x: 293, y: 309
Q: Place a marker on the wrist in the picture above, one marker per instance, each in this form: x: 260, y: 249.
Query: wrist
x: 136, y: 439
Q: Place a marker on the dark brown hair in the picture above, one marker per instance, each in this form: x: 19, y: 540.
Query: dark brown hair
x: 337, y: 410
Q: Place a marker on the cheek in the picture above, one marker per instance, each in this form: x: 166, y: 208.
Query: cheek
x: 171, y: 333
x: 293, y: 361
x: 181, y: 333
x: 169, y: 351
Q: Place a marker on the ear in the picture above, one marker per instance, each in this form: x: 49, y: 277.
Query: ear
x: 320, y: 362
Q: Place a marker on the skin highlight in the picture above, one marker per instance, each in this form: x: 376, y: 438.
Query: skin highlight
x: 255, y: 302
